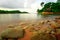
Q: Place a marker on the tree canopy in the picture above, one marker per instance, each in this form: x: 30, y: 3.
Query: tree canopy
x: 50, y: 7
x: 12, y: 11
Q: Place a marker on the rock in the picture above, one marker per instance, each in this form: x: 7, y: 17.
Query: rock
x: 13, y: 33
x: 46, y: 34
x: 43, y: 36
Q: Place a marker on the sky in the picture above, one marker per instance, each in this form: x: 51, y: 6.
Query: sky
x: 28, y: 4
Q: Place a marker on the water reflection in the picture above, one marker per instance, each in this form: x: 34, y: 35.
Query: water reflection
x: 16, y: 17
x: 4, y: 18
x: 28, y: 16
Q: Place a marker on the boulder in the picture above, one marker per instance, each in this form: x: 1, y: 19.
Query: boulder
x: 13, y: 33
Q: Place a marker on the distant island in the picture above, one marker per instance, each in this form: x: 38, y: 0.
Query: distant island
x: 50, y: 8
x: 12, y: 11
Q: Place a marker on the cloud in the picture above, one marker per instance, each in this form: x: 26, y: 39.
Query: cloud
x: 21, y: 3
x: 15, y: 3
x: 29, y: 2
x: 12, y: 3
x: 37, y: 2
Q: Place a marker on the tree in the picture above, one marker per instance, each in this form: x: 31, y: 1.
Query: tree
x: 50, y: 7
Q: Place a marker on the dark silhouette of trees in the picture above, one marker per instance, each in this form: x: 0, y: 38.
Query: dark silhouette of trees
x: 12, y: 11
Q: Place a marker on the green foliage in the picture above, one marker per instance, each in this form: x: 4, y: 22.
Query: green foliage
x: 12, y: 11
x: 39, y: 11
x: 50, y: 7
x: 55, y: 7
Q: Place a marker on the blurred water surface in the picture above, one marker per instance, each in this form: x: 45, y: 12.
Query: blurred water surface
x: 6, y: 18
